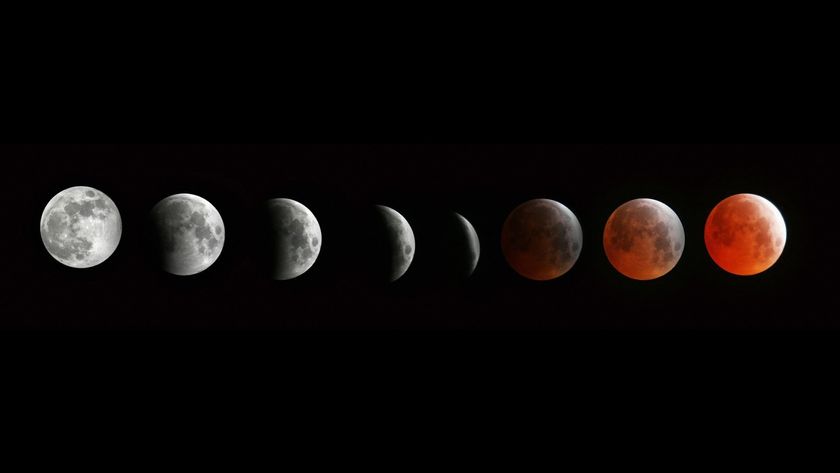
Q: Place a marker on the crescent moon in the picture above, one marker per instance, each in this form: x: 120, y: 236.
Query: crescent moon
x: 473, y: 246
x: 401, y: 238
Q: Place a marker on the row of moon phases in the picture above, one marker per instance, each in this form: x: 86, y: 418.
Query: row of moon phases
x: 542, y: 239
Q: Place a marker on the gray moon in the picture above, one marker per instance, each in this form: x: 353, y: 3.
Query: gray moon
x: 190, y: 233
x: 295, y: 238
x: 473, y: 245
x: 401, y: 238
x: 81, y: 227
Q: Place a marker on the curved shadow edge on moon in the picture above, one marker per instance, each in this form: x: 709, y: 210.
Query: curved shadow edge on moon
x: 472, y: 247
x: 542, y: 239
x: 745, y: 234
x: 189, y: 232
x: 81, y: 227
x: 295, y: 238
x: 644, y: 239
x: 401, y: 241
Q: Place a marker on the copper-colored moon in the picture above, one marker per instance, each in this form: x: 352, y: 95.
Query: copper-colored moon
x: 542, y: 239
x: 644, y: 239
x: 745, y: 234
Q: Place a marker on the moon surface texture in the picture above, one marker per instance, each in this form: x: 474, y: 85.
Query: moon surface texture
x: 644, y: 239
x: 190, y: 233
x: 745, y: 234
x: 81, y: 227
x: 400, y: 238
x: 295, y: 238
x: 542, y: 239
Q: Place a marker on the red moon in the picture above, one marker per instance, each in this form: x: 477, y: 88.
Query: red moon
x: 644, y: 239
x: 542, y: 239
x: 745, y: 234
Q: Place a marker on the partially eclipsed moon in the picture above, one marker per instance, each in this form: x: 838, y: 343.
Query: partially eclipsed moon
x: 81, y: 227
x: 469, y: 244
x: 296, y: 238
x: 644, y: 239
x: 542, y: 239
x: 745, y: 234
x: 190, y: 233
x: 401, y: 240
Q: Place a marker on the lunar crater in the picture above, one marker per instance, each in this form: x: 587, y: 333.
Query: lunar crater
x: 643, y: 239
x: 745, y: 234
x: 401, y: 242
x: 184, y: 225
x: 541, y: 239
x: 81, y: 227
x: 294, y: 237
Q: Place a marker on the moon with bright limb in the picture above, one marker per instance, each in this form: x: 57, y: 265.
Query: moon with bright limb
x: 295, y: 238
x: 464, y: 248
x: 400, y: 238
x: 81, y: 227
x: 542, y: 239
x: 190, y: 233
x: 745, y: 234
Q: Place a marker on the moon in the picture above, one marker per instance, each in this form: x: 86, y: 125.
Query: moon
x: 190, y: 233
x: 745, y: 234
x: 400, y: 239
x: 463, y: 249
x: 81, y: 227
x: 295, y: 238
x: 542, y: 239
x: 644, y: 239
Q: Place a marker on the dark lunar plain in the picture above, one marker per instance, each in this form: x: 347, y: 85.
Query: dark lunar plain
x: 342, y: 183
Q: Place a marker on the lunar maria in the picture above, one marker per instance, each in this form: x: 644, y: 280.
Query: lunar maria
x: 541, y: 239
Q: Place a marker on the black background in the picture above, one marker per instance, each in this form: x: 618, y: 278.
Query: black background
x: 484, y: 183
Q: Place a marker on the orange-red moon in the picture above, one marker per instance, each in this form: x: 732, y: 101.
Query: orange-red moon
x: 644, y: 239
x: 745, y: 234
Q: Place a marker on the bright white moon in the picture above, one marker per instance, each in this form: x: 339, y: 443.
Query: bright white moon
x: 81, y: 227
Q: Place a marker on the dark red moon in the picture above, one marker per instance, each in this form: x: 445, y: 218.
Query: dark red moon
x: 542, y: 239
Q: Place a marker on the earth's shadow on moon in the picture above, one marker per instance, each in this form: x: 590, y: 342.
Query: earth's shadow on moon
x: 446, y: 256
x: 372, y: 247
x: 270, y: 256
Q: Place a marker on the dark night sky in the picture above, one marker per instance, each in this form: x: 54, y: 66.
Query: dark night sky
x: 482, y: 182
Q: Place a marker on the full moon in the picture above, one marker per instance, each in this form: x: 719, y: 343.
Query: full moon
x: 400, y: 239
x: 745, y: 234
x: 190, y: 233
x: 295, y: 238
x: 644, y: 239
x: 542, y: 239
x: 81, y: 227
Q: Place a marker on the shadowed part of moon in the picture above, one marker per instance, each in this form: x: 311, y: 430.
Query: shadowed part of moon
x: 464, y: 248
x: 644, y: 239
x: 400, y: 240
x: 542, y: 239
x: 189, y: 232
x: 295, y: 238
x: 81, y: 227
x: 745, y: 234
